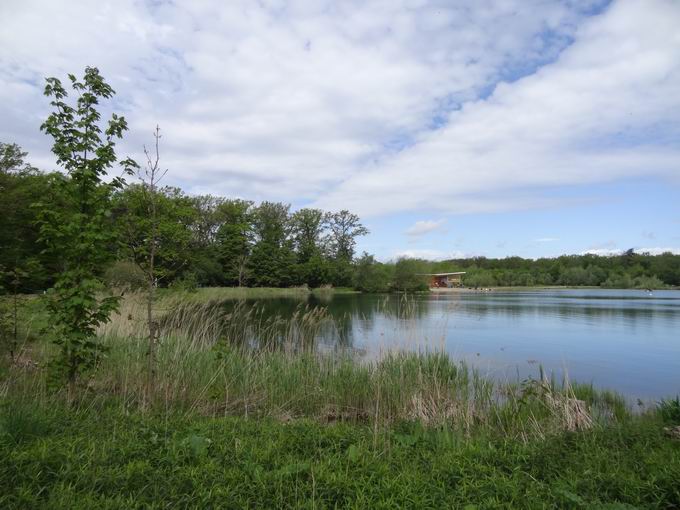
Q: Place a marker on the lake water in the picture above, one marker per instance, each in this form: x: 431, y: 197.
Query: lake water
x: 626, y: 340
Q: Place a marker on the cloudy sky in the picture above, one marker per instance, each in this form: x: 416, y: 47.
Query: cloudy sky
x: 494, y: 127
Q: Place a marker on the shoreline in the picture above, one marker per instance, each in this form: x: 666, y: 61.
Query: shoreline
x: 463, y: 290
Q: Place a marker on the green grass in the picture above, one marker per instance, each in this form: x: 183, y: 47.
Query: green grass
x: 278, y: 424
x: 215, y: 293
x: 211, y: 293
x: 102, y: 458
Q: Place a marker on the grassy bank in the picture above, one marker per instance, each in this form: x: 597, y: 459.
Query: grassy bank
x: 236, y: 361
x: 247, y: 411
x: 215, y: 293
x: 104, y: 458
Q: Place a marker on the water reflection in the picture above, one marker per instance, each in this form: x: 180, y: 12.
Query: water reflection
x: 624, y: 340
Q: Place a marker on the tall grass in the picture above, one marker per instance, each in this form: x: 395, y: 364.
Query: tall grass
x: 219, y: 360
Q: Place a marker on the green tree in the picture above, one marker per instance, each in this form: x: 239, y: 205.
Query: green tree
x: 235, y: 240
x: 372, y: 276
x: 9, y: 310
x: 13, y: 159
x: 171, y: 229
x: 21, y: 185
x: 272, y: 261
x: 308, y: 227
x: 345, y: 227
x: 409, y: 275
x: 208, y: 219
x: 81, y: 235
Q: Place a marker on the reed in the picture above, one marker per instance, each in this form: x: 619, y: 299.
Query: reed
x: 235, y: 360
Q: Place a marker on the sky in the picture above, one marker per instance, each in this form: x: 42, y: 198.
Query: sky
x: 453, y: 128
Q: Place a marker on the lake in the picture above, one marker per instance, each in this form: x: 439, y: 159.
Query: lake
x: 626, y: 340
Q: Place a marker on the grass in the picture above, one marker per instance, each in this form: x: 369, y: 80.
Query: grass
x: 100, y: 457
x: 248, y: 411
x: 219, y: 361
x: 223, y: 293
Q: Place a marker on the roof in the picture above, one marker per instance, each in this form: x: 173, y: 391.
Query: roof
x: 443, y: 274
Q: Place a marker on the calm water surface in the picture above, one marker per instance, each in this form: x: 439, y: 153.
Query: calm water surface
x: 627, y: 340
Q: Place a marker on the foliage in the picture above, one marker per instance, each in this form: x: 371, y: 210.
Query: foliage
x: 124, y: 275
x: 372, y: 276
x: 307, y: 229
x: 9, y: 309
x: 12, y: 159
x: 20, y: 250
x: 629, y: 270
x: 479, y: 279
x: 210, y: 237
x: 7, y: 323
x: 409, y: 275
x: 188, y: 282
x: 272, y: 256
x: 81, y: 235
x: 669, y: 410
x: 173, y: 235
x: 235, y: 240
x: 107, y: 458
x: 345, y: 228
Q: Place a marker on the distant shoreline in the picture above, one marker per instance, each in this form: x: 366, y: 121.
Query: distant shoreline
x: 462, y: 290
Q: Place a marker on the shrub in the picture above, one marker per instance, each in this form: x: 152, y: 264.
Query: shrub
x: 125, y: 275
x: 408, y: 275
x: 669, y: 410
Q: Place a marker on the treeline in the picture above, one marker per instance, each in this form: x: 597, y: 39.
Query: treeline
x: 201, y: 240
x: 214, y: 241
x: 82, y: 231
x: 628, y: 270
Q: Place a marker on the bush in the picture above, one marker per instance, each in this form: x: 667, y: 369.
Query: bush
x: 188, y: 282
x: 479, y: 279
x: 125, y: 275
x: 371, y: 276
x: 408, y: 275
x: 618, y: 281
x: 648, y: 282
x: 669, y: 410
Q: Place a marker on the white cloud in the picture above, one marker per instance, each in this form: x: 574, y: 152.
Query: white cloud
x: 420, y: 228
x: 372, y: 106
x: 268, y: 99
x: 608, y: 252
x: 431, y: 254
x: 602, y: 252
x: 606, y: 109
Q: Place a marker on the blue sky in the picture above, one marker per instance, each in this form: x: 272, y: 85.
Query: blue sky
x: 454, y: 128
x: 642, y: 214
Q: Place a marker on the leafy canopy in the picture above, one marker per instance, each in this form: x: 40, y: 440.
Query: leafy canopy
x: 81, y: 233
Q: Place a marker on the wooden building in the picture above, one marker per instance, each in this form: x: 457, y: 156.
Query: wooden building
x: 446, y: 280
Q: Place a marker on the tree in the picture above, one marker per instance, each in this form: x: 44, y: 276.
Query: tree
x: 409, y: 275
x: 173, y: 233
x: 152, y: 175
x: 21, y: 186
x: 308, y: 227
x: 272, y: 260
x: 208, y: 219
x: 12, y: 159
x: 234, y: 240
x: 345, y: 228
x: 81, y: 235
x: 371, y: 276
